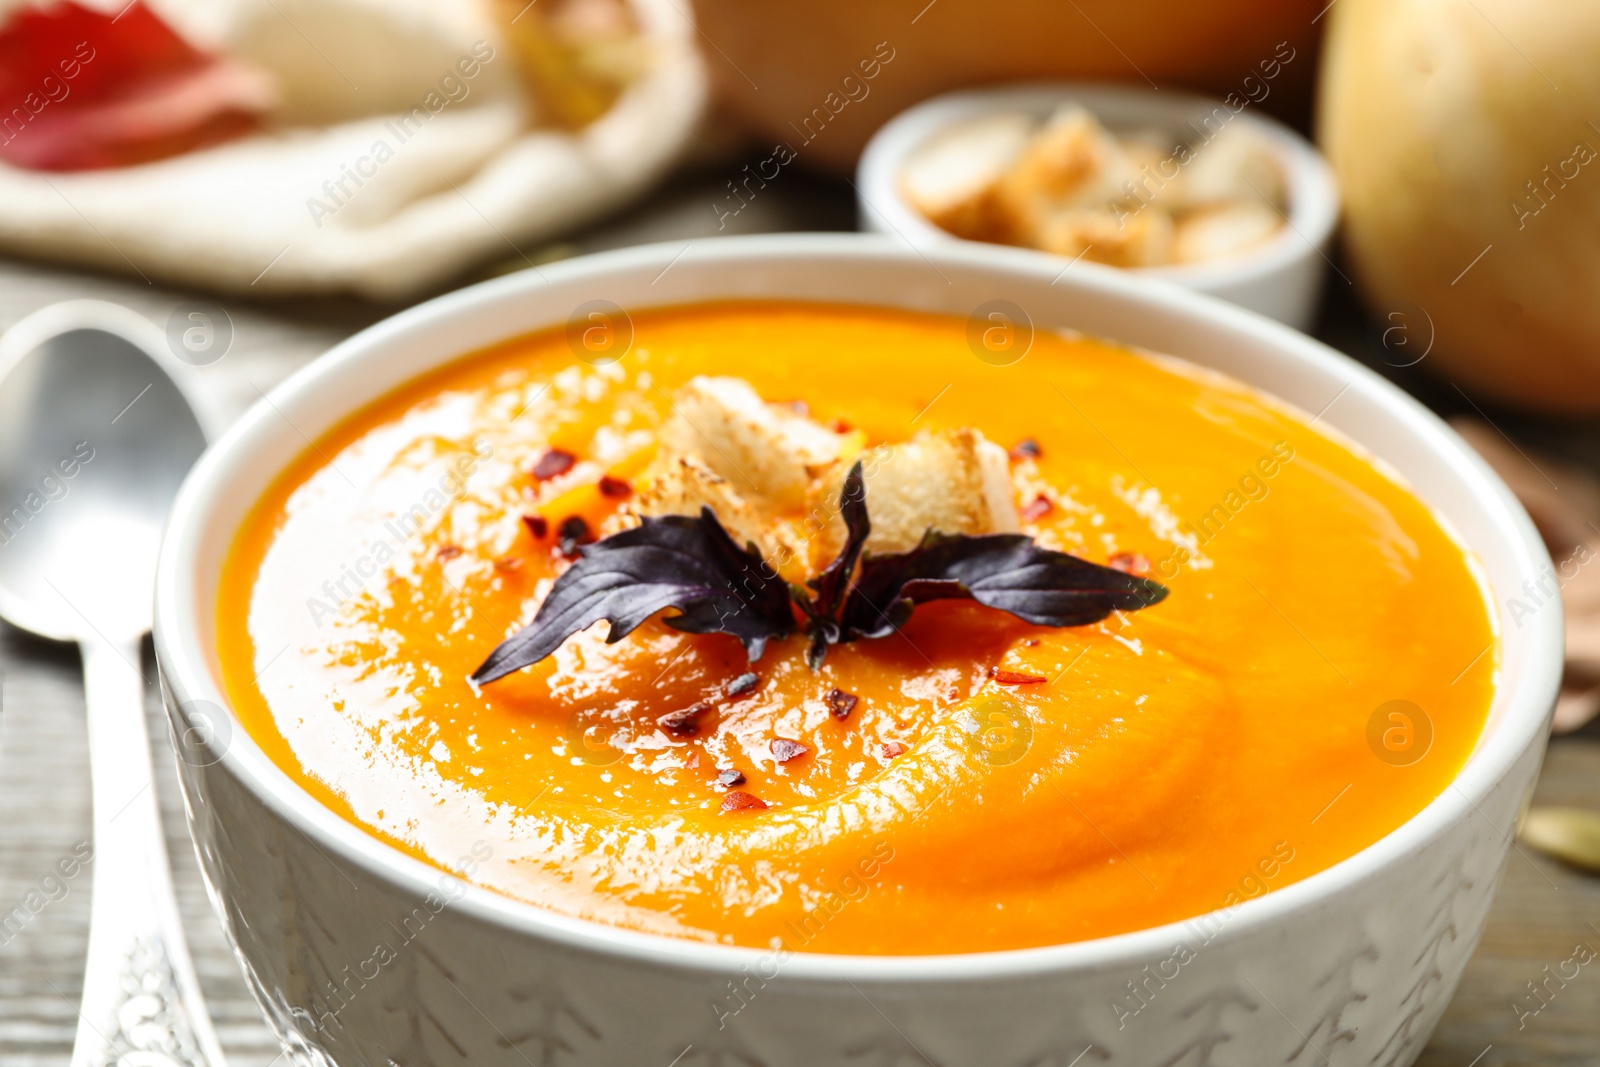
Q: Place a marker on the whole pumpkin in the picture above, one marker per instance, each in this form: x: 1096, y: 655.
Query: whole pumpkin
x: 1464, y: 136
x: 775, y: 65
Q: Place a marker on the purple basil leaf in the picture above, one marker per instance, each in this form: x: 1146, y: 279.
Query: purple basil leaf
x: 671, y: 561
x: 1004, y: 571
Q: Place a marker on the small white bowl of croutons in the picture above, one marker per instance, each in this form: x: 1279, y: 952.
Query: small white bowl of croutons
x: 1209, y: 194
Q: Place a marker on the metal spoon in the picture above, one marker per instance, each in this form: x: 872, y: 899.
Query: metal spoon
x: 95, y: 437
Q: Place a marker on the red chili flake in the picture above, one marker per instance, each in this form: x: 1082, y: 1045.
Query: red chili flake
x: 449, y: 551
x: 841, y: 704
x: 1027, y: 448
x: 617, y: 488
x: 1130, y: 563
x: 685, y: 722
x: 554, y: 462
x: 1038, y: 509
x: 784, y: 750
x: 537, y: 525
x: 1015, y: 677
x: 742, y: 684
x: 573, y: 532
x: 891, y: 749
x: 842, y: 426
x: 731, y: 777
x: 734, y: 800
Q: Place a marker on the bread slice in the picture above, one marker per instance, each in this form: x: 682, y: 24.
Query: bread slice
x: 1239, y: 163
x: 682, y: 486
x: 1224, y: 229
x: 1070, y: 164
x: 1124, y: 239
x: 954, y: 481
x: 767, y: 452
x: 951, y: 178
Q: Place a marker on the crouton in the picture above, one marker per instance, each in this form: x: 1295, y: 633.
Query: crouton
x: 767, y: 452
x: 1125, y: 238
x: 1237, y: 164
x: 1224, y: 229
x: 954, y: 481
x: 682, y: 485
x: 1072, y: 163
x: 951, y: 179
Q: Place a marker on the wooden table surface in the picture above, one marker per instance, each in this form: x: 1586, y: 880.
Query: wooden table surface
x: 1541, y: 913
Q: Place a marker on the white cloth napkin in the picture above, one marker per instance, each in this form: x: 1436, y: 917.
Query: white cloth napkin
x: 387, y: 169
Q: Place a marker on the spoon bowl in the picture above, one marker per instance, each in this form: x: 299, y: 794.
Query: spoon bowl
x: 95, y: 439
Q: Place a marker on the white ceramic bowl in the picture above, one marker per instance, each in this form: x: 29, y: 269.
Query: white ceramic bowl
x: 1281, y: 279
x: 1360, y: 959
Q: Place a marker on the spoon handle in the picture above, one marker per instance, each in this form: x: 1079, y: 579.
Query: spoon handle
x: 141, y: 1003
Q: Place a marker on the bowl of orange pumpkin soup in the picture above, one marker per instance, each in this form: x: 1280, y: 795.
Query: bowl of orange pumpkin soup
x: 804, y: 650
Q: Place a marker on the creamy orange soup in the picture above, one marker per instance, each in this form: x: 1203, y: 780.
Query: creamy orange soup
x: 1321, y: 668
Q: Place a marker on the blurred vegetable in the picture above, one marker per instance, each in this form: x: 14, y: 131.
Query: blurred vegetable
x: 82, y: 89
x: 1463, y: 133
x: 575, y: 56
x: 776, y: 65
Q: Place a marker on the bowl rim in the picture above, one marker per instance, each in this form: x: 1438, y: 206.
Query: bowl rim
x: 184, y: 662
x: 1313, y: 192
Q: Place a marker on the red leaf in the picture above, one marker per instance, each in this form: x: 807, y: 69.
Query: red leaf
x: 82, y: 89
